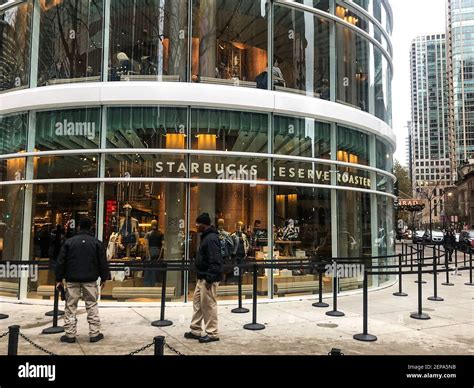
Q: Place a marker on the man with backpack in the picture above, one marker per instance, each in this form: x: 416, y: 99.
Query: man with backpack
x: 227, y: 245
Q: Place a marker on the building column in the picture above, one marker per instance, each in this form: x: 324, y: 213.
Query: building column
x: 208, y: 38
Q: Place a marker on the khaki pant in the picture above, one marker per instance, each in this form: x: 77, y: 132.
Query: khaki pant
x: 205, y: 310
x: 90, y: 292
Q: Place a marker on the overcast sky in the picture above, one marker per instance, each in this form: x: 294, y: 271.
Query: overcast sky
x: 412, y: 18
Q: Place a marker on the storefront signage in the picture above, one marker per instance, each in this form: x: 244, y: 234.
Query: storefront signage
x: 252, y: 172
x: 409, y: 202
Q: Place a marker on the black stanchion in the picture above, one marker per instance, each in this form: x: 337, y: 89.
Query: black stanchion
x: 446, y: 268
x: 421, y: 257
x: 456, y: 261
x: 365, y: 336
x: 159, y: 342
x: 162, y: 322
x: 4, y: 316
x: 435, y: 297
x: 470, y: 283
x: 411, y: 258
x: 254, y: 325
x: 400, y: 280
x: 334, y: 312
x: 419, y: 314
x: 55, y: 329
x: 240, y: 309
x: 13, y: 334
x: 320, y: 303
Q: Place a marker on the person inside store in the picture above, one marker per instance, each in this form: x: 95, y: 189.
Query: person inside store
x: 81, y: 262
x: 44, y: 240
x: 260, y: 235
x: 278, y: 79
x: 154, y: 248
x: 209, y: 270
x: 227, y: 247
x: 128, y: 233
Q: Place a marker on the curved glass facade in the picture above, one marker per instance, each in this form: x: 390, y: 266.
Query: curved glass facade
x: 297, y: 186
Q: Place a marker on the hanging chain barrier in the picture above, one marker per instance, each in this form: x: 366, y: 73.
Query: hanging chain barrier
x: 36, y: 345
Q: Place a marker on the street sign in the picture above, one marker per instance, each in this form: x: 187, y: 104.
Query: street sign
x: 409, y: 202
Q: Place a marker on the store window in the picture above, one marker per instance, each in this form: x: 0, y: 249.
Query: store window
x: 353, y: 58
x: 145, y: 221
x: 302, y: 137
x: 13, y: 130
x: 57, y: 210
x: 148, y: 40
x: 302, y: 231
x: 15, y: 36
x: 240, y: 214
x: 301, y: 45
x: 323, y: 5
x: 67, y: 130
x: 382, y: 82
x: 70, y: 41
x: 230, y: 42
x: 352, y: 146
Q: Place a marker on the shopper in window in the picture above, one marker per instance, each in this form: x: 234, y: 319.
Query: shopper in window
x: 154, y: 247
x: 209, y: 273
x: 81, y: 262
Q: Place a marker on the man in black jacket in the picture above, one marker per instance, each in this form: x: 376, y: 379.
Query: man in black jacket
x: 209, y: 273
x: 81, y: 262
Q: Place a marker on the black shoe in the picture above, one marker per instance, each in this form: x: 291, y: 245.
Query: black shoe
x: 68, y: 340
x: 190, y: 335
x: 97, y: 338
x: 206, y: 339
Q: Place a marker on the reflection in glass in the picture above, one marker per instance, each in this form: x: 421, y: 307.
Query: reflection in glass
x: 148, y: 40
x: 301, y: 46
x: 302, y: 137
x: 229, y: 131
x: 230, y: 42
x: 15, y: 35
x: 70, y: 41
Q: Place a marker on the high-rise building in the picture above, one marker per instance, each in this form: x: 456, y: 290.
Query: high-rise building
x: 429, y: 128
x: 460, y: 59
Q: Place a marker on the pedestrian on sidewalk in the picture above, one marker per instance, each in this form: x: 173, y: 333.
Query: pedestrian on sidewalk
x: 81, y: 262
x: 209, y: 270
x: 449, y: 244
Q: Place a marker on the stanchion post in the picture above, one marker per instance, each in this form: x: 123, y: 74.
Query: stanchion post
x: 446, y: 268
x: 470, y: 283
x: 254, y: 325
x: 320, y: 302
x: 365, y: 336
x: 456, y: 262
x: 162, y: 322
x: 419, y: 314
x: 435, y: 297
x: 411, y: 258
x: 334, y: 312
x: 421, y: 259
x: 159, y: 342
x: 240, y: 309
x: 400, y: 279
x: 13, y: 334
x: 55, y: 329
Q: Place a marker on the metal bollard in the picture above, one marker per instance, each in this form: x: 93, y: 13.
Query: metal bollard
x: 435, y: 297
x: 419, y: 314
x: 55, y: 329
x: 162, y: 322
x: 470, y: 283
x: 365, y: 336
x: 400, y: 279
x: 320, y: 303
x: 13, y: 334
x: 254, y: 325
x: 240, y: 309
x: 159, y: 342
x: 334, y: 312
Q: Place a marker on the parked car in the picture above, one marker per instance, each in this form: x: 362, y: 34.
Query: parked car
x: 466, y: 241
x: 436, y: 238
x: 418, y: 236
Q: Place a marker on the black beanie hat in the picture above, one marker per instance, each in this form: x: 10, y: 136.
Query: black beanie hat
x: 204, y: 219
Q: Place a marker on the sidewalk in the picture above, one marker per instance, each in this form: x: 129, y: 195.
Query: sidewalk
x: 292, y: 327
